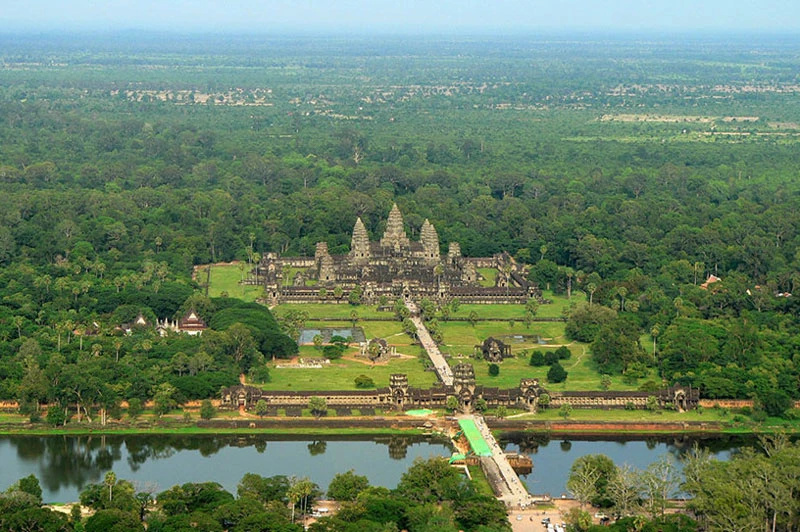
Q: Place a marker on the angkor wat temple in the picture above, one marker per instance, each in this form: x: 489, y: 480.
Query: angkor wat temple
x: 393, y: 266
x: 400, y: 396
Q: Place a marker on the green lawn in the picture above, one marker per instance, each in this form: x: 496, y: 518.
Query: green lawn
x: 504, y: 312
x: 559, y: 303
x: 333, y: 311
x: 227, y: 279
x: 517, y: 312
x: 341, y: 374
x: 461, y: 336
x: 489, y: 275
x: 582, y: 376
x: 718, y: 415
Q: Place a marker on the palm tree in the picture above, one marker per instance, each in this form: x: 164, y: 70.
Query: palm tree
x: 117, y: 347
x: 299, y: 492
x: 678, y: 304
x: 622, y: 292
x: 110, y: 480
x: 591, y: 288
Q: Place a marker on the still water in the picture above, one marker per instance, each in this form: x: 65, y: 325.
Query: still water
x: 552, y: 459
x: 66, y: 464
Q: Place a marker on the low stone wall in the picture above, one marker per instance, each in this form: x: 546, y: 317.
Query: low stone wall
x: 729, y: 403
x: 601, y: 427
x: 321, y: 423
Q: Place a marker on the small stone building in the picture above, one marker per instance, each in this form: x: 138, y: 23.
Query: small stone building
x: 494, y: 350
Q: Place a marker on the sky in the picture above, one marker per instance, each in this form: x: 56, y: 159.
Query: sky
x: 404, y: 16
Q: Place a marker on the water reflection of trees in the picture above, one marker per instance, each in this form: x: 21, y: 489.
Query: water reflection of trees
x: 69, y: 461
x: 527, y: 442
x: 317, y: 447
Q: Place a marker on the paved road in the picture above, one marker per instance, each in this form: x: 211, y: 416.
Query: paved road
x: 438, y: 360
x: 512, y: 490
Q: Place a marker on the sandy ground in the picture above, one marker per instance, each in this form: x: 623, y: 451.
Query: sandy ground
x: 531, y: 520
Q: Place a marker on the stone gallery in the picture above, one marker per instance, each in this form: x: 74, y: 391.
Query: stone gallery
x: 394, y: 267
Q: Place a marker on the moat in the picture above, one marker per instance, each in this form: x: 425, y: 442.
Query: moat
x: 65, y: 464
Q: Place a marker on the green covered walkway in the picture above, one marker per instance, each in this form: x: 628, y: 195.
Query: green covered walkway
x: 476, y: 441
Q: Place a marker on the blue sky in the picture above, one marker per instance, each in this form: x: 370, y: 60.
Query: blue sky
x: 770, y: 16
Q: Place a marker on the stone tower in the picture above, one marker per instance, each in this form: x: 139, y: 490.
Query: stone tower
x: 324, y: 263
x: 395, y: 235
x: 454, y: 255
x: 464, y: 386
x: 359, y: 244
x: 463, y: 378
x: 398, y: 386
x: 429, y: 239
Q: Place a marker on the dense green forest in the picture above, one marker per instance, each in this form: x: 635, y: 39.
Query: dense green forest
x: 630, y: 170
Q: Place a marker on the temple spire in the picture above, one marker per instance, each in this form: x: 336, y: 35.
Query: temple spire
x: 359, y: 244
x: 395, y: 235
x: 429, y: 239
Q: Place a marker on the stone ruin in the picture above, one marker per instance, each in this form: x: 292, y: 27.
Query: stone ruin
x: 494, y: 350
x: 377, y: 350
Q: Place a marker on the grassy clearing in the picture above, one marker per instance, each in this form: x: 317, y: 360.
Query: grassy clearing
x: 226, y: 279
x: 489, y: 275
x: 480, y: 481
x: 517, y: 312
x: 559, y: 303
x: 191, y: 429
x: 582, y: 375
x: 341, y: 374
x: 731, y: 421
x: 318, y: 311
x: 505, y: 312
x: 461, y: 336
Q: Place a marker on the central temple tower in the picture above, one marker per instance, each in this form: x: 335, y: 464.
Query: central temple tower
x: 394, y: 237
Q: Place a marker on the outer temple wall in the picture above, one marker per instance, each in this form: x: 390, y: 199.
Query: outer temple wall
x: 400, y: 396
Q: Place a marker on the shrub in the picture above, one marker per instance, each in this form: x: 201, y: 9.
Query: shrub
x: 333, y: 352
x: 630, y: 406
x: 792, y: 415
x: 556, y: 373
x: 494, y: 370
x: 134, y: 408
x: 550, y: 358
x: 259, y: 374
x: 544, y: 400
x: 363, y: 381
x: 207, y: 410
x: 481, y: 405
x: 775, y: 402
x: 649, y: 386
x: 56, y: 416
x: 563, y: 353
x: 537, y: 359
x: 652, y: 403
x: 630, y: 379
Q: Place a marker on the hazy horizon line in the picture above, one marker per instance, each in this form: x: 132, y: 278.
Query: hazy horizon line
x: 466, y: 32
